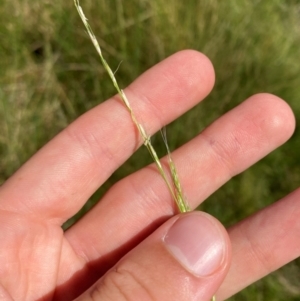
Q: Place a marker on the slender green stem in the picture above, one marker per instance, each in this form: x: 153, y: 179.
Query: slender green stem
x: 175, y: 187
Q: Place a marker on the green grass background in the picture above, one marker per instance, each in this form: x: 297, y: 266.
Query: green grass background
x: 50, y: 74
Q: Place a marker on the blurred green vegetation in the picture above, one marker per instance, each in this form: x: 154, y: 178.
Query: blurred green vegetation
x: 50, y: 74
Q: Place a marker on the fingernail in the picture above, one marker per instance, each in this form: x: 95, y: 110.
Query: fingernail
x: 197, y: 243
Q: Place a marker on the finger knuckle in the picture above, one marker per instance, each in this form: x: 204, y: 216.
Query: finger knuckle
x: 122, y: 285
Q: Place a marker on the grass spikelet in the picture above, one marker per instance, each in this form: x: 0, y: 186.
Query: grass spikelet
x: 180, y: 200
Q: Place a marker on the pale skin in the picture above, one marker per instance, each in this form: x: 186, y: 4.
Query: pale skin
x: 38, y: 261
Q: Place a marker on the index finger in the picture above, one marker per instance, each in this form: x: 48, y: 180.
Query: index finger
x: 57, y: 181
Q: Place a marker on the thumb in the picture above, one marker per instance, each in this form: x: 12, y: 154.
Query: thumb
x: 186, y: 258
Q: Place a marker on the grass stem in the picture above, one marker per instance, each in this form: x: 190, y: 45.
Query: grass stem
x: 174, y: 187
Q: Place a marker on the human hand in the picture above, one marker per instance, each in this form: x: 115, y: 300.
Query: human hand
x: 126, y: 244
